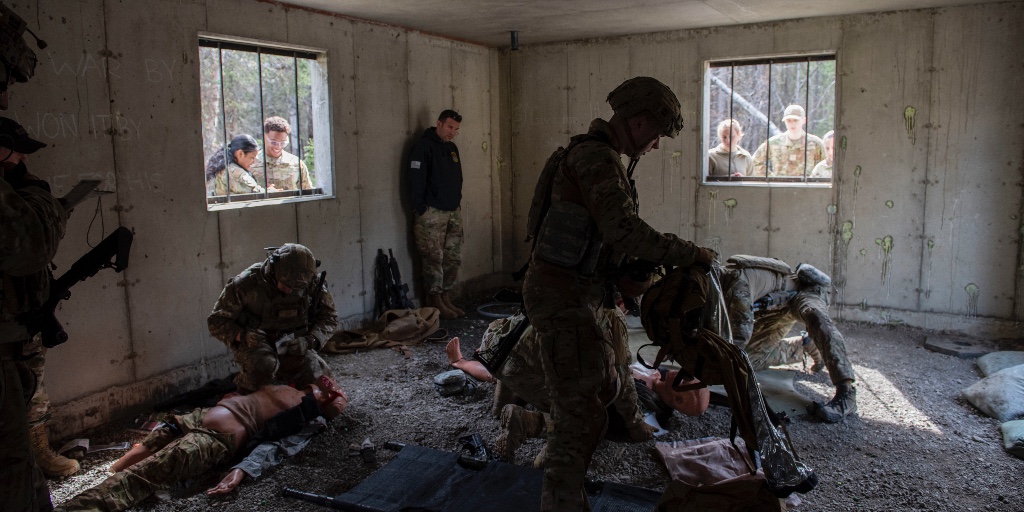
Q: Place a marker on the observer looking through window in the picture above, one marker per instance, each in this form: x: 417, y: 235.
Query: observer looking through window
x: 770, y: 121
x: 266, y: 123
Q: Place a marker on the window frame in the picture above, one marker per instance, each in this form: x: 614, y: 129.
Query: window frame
x: 325, y: 167
x: 708, y: 140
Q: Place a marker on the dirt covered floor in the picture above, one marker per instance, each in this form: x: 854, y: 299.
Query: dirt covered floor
x: 915, y: 445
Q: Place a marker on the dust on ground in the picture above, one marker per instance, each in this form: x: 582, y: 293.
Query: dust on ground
x: 916, y: 444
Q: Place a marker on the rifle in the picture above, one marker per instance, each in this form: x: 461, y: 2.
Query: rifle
x: 314, y: 305
x: 327, y: 501
x: 380, y: 284
x: 398, y: 290
x: 43, y: 320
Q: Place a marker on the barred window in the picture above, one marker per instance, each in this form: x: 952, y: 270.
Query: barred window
x: 266, y: 123
x: 770, y: 121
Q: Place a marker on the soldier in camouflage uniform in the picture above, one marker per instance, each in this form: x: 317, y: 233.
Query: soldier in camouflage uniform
x: 282, y: 170
x: 264, y: 316
x: 794, y: 296
x: 584, y: 221
x: 32, y: 223
x: 523, y: 374
x: 792, y: 153
x: 228, y: 168
x: 188, y: 446
x: 435, y: 189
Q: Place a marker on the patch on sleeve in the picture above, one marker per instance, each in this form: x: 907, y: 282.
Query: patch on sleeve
x: 415, y: 164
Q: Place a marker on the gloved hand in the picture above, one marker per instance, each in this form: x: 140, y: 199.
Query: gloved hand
x: 706, y: 256
x: 296, y: 345
x: 253, y: 338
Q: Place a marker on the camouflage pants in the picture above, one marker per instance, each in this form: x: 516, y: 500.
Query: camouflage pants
x: 762, y: 337
x: 523, y: 371
x: 22, y: 484
x: 176, y: 459
x: 262, y: 365
x: 438, y: 235
x: 562, y: 307
x: 39, y: 407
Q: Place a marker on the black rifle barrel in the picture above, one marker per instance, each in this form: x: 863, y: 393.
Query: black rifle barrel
x: 327, y: 501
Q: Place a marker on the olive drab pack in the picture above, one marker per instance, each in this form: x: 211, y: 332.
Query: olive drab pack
x: 683, y: 315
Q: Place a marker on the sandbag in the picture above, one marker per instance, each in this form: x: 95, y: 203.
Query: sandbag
x: 994, y: 361
x: 1000, y: 395
x: 1013, y: 437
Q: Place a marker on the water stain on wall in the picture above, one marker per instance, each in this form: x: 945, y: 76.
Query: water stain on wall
x: 715, y: 244
x: 730, y: 205
x: 712, y: 199
x: 909, y: 115
x: 885, y: 244
x: 973, y: 292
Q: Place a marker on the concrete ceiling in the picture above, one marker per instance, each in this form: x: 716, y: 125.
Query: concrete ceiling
x: 488, y: 22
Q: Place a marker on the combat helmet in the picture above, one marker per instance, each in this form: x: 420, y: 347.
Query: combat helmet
x: 645, y: 93
x: 292, y: 265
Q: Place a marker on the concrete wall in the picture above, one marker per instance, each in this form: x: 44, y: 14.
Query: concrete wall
x: 948, y: 192
x: 116, y: 94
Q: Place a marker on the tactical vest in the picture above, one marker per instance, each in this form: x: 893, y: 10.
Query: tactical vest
x: 271, y: 311
x: 562, y: 230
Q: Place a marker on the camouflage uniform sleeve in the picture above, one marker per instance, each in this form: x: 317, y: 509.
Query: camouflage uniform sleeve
x: 32, y: 223
x: 244, y: 182
x: 222, y: 320
x: 326, y: 320
x: 758, y: 168
x: 606, y: 195
x: 307, y: 183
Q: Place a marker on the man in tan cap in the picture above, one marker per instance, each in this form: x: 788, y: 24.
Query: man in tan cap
x: 792, y: 153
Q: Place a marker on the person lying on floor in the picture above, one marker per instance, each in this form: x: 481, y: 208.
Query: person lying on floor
x: 520, y: 380
x: 190, y: 445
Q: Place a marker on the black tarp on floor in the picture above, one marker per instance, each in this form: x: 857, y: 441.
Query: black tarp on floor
x: 425, y: 479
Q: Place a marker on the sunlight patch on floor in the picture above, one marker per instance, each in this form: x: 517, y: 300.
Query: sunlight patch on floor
x: 878, y: 399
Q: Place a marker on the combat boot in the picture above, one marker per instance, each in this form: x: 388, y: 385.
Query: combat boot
x: 447, y: 298
x: 811, y: 349
x: 434, y: 300
x: 52, y: 464
x: 517, y: 425
x: 841, y: 406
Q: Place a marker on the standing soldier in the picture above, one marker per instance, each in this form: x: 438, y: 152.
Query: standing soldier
x: 792, y: 153
x: 584, y: 222
x: 32, y: 223
x: 435, y: 184
x: 274, y: 316
x: 276, y: 169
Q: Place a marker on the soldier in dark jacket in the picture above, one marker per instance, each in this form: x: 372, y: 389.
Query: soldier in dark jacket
x: 32, y: 223
x: 264, y: 316
x: 435, y: 184
x: 584, y: 219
